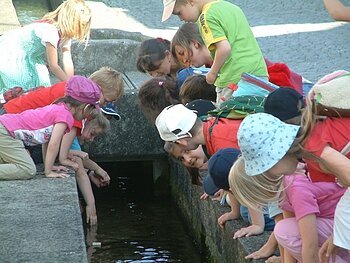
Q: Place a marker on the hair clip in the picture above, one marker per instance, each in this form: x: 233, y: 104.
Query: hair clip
x: 160, y: 83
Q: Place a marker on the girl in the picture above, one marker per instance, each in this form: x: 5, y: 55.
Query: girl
x: 188, y: 48
x: 22, y: 51
x: 271, y: 149
x: 44, y: 126
x: 196, y: 87
x: 95, y: 125
x: 154, y: 58
x: 156, y: 94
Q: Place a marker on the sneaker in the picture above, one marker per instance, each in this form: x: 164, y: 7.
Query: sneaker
x: 111, y: 110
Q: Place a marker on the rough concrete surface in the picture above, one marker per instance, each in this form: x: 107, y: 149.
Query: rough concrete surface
x: 40, y: 221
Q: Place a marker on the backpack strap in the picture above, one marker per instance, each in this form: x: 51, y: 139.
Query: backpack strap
x: 346, y: 149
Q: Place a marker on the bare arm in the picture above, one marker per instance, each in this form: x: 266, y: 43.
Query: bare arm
x: 309, y: 237
x: 337, y: 10
x: 52, y: 60
x: 66, y: 143
x: 223, y: 50
x: 339, y: 164
x: 86, y: 190
x: 67, y: 58
x: 233, y: 214
x: 53, y: 148
x: 257, y: 226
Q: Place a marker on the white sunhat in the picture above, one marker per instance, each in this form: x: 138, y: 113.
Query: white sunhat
x: 264, y: 140
x: 175, y: 122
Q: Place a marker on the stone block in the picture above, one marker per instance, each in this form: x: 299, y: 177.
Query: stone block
x: 132, y: 137
x: 119, y: 54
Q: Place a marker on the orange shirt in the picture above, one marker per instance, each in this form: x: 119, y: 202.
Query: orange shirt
x: 222, y: 135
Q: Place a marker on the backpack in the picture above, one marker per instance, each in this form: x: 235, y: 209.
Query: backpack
x: 239, y: 107
x: 331, y: 95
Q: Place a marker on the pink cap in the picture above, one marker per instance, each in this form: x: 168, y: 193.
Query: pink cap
x: 84, y: 90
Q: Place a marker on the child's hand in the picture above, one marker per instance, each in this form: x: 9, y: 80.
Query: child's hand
x: 103, y: 175
x: 249, y: 231
x: 218, y: 195
x: 204, y: 196
x: 327, y: 249
x: 59, y: 168
x: 211, y: 77
x: 264, y: 252
x: 225, y: 217
x: 53, y: 174
x: 91, y: 216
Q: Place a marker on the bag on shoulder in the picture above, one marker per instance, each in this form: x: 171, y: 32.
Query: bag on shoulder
x: 331, y: 95
x: 239, y: 107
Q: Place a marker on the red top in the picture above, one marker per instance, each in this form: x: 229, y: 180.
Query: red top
x: 223, y: 135
x: 333, y: 132
x: 37, y: 98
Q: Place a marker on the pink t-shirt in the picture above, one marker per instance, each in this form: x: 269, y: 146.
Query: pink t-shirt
x: 304, y: 197
x: 35, y: 126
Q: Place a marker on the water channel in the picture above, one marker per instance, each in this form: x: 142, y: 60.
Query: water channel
x: 134, y: 224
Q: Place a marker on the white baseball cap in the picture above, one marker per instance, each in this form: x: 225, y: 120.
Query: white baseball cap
x: 175, y: 122
x: 168, y: 9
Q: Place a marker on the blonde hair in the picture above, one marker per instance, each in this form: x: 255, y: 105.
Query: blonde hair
x: 72, y: 18
x: 98, y: 120
x: 184, y: 36
x: 110, y: 81
x: 254, y: 191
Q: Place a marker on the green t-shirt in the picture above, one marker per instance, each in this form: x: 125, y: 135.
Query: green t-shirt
x: 222, y: 20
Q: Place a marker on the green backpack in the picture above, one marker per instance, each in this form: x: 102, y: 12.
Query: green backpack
x: 239, y: 107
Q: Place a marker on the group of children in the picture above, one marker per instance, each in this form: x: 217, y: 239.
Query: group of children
x: 61, y: 116
x: 247, y: 129
x: 285, y: 165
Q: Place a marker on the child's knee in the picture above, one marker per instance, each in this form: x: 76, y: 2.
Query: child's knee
x: 27, y: 172
x: 285, y: 228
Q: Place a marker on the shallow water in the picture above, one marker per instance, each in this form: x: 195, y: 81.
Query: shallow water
x: 136, y: 226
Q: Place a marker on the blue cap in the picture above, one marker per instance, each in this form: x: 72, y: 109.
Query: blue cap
x: 219, y: 166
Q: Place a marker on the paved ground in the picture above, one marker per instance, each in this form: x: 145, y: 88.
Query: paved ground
x: 299, y: 33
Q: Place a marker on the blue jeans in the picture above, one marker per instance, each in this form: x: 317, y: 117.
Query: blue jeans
x: 269, y: 223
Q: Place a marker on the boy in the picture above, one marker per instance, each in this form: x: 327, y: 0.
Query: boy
x: 180, y: 125
x: 227, y: 34
x: 109, y: 80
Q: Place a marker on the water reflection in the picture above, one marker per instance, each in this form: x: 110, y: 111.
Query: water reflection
x: 136, y: 226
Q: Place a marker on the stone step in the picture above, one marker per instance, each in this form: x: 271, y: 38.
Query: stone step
x: 40, y: 221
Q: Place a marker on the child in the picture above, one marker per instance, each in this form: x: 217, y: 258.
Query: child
x: 195, y: 87
x: 227, y: 34
x: 178, y: 124
x: 154, y: 58
x: 219, y: 166
x: 156, y: 94
x: 308, y: 209
x: 109, y: 80
x: 22, y: 50
x: 95, y: 125
x: 188, y: 48
x: 319, y: 143
x: 45, y: 126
